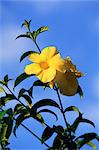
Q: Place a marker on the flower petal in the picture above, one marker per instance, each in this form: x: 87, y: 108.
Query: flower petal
x: 48, y: 52
x: 35, y: 57
x: 67, y: 83
x: 58, y: 63
x: 47, y: 75
x: 33, y: 69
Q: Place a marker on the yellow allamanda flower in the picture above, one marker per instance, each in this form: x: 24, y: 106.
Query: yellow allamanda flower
x: 67, y: 82
x: 45, y: 64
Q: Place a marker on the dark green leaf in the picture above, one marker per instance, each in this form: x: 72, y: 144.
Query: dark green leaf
x: 39, y: 83
x: 24, y: 115
x: 26, y: 54
x: 49, y: 111
x: 20, y: 78
x: 85, y: 138
x: 45, y: 102
x: 21, y: 92
x: 30, y: 91
x: 23, y: 36
x: 57, y: 143
x: 59, y: 129
x: 72, y: 108
x: 48, y: 132
x: 6, y: 78
x: 28, y: 100
x: 80, y: 92
x: 80, y: 120
x: 18, y: 109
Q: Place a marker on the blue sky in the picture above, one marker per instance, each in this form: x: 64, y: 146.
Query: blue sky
x: 74, y: 30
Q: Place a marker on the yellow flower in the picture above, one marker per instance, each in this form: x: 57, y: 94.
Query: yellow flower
x: 67, y: 83
x: 45, y: 64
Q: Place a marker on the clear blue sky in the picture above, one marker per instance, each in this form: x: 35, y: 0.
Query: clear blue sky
x: 74, y: 30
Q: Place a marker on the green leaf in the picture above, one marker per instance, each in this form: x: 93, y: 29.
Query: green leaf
x: 23, y: 36
x: 2, y: 114
x: 30, y: 90
x: 80, y: 92
x: 49, y: 111
x: 18, y: 109
x: 91, y: 144
x: 20, y: 78
x: 21, y: 92
x: 6, y: 99
x: 26, y: 23
x: 42, y: 29
x: 26, y: 54
x: 48, y: 132
x: 23, y: 116
x: 6, y: 79
x: 57, y: 143
x: 72, y: 108
x: 85, y: 138
x: 59, y: 129
x: 45, y: 102
x: 79, y: 120
x: 2, y: 82
x: 38, y: 117
x: 28, y: 100
x: 39, y: 83
x: 2, y: 89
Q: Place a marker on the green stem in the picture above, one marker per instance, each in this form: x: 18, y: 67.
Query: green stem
x: 62, y: 111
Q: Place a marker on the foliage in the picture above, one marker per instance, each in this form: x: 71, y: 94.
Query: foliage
x: 10, y: 119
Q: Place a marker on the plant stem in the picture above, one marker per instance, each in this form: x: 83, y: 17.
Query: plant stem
x: 34, y: 40
x: 30, y: 132
x: 62, y: 111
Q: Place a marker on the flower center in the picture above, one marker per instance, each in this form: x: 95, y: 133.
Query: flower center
x: 44, y: 65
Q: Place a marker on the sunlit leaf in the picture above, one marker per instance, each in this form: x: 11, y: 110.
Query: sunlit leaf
x: 28, y: 100
x: 91, y: 144
x: 6, y: 99
x: 85, y: 138
x: 18, y: 109
x: 72, y: 108
x: 48, y: 132
x: 80, y: 92
x: 26, y: 23
x: 2, y: 89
